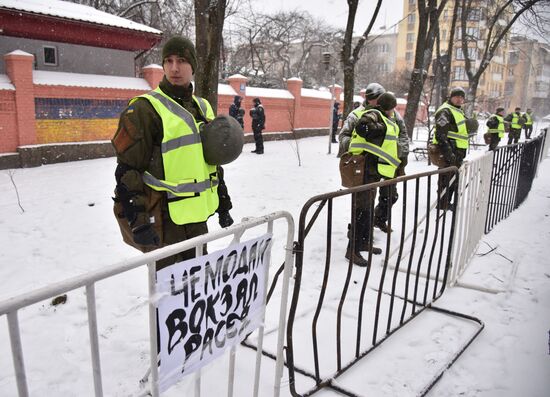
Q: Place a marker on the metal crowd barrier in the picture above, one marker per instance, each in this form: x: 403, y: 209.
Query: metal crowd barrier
x: 473, y: 198
x: 514, y: 168
x: 11, y: 307
x: 356, y: 309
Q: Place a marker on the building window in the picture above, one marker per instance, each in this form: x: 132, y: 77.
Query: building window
x: 411, y: 19
x: 408, y: 56
x: 50, y: 55
x: 382, y: 67
x: 472, y: 33
x: 459, y: 73
x: 410, y: 37
x: 472, y: 53
x: 474, y: 14
x: 443, y: 35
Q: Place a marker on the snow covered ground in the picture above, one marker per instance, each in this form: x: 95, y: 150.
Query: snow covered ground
x: 57, y: 222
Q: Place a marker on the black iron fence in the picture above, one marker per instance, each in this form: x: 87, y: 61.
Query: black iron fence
x: 514, y: 169
x: 352, y: 310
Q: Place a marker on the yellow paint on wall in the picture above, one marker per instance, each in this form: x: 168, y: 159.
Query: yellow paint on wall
x: 75, y: 130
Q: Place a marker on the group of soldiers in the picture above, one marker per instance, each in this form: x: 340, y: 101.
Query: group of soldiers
x: 377, y: 132
x: 513, y: 123
x: 167, y: 188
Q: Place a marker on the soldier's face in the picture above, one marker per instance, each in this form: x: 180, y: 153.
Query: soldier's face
x: 457, y: 100
x: 177, y: 70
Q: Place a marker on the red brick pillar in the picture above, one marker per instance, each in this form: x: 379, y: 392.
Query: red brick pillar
x: 294, y: 86
x: 153, y: 75
x: 337, y: 93
x: 19, y: 70
x: 238, y: 83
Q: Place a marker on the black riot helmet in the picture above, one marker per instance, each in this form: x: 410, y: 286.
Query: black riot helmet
x: 373, y: 91
x: 222, y: 140
x: 387, y: 101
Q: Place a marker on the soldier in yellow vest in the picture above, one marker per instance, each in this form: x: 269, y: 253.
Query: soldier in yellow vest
x: 516, y: 121
x: 451, y: 136
x: 495, y: 125
x: 528, y: 126
x: 165, y: 190
x: 374, y: 136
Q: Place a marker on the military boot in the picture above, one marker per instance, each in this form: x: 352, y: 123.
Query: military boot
x: 380, y: 224
x: 356, y: 258
x: 365, y: 246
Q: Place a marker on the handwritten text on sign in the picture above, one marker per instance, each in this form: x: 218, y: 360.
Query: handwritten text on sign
x: 208, y: 304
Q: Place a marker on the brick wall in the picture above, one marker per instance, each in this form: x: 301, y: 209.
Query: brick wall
x: 8, y: 122
x: 34, y: 114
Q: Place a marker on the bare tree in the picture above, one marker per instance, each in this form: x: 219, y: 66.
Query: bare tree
x: 500, y: 18
x: 273, y: 48
x: 209, y: 20
x: 428, y: 15
x: 444, y: 62
x: 350, y: 54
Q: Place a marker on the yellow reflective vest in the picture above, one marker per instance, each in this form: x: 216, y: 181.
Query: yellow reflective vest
x: 515, y: 122
x: 191, y: 185
x: 500, y: 129
x: 528, y: 119
x: 460, y: 136
x: 387, y: 153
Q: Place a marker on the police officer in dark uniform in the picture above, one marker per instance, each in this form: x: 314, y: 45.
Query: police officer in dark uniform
x: 257, y: 114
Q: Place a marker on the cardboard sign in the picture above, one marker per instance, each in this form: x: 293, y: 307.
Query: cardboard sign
x: 208, y: 304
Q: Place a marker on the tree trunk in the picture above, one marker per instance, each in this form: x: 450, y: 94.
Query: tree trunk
x: 428, y: 15
x: 209, y: 19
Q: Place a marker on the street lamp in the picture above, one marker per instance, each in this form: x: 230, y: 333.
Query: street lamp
x: 327, y: 57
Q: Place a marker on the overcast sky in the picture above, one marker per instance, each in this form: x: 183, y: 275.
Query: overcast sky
x: 335, y: 12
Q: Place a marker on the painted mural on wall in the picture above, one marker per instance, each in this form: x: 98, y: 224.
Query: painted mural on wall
x: 74, y: 120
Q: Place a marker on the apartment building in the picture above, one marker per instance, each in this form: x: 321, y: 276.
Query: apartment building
x: 528, y: 77
x: 490, y: 92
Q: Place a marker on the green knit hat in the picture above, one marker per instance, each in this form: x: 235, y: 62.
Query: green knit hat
x: 181, y: 47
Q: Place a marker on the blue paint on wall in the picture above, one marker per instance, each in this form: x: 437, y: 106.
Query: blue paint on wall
x: 65, y: 108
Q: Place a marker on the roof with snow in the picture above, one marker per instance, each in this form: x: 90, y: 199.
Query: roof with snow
x: 42, y: 77
x: 65, y: 22
x: 258, y: 92
x: 5, y: 83
x: 78, y: 12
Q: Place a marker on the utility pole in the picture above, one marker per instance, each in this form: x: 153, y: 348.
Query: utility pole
x: 327, y: 57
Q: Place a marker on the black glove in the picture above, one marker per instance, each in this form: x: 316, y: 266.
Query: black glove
x: 361, y: 128
x: 401, y: 169
x: 225, y: 219
x: 145, y: 235
x: 404, y: 161
x: 451, y: 158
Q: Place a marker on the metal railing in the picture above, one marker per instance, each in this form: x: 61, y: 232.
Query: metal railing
x: 514, y: 168
x: 11, y: 306
x: 356, y: 309
x: 472, y: 204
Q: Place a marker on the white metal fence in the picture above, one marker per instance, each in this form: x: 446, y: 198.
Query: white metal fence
x: 11, y: 307
x: 473, y: 196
